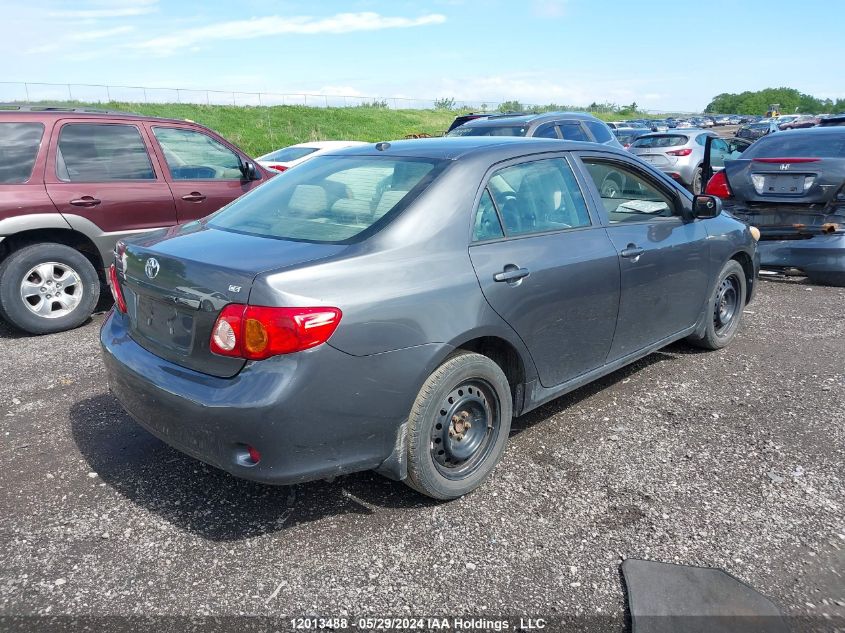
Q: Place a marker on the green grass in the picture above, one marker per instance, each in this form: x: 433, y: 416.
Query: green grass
x: 258, y: 130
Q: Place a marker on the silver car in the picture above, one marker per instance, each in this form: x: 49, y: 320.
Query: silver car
x: 680, y: 153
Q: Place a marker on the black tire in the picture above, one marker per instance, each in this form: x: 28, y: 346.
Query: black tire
x: 723, y: 312
x: 475, y: 425
x: 696, y: 186
x: 835, y: 279
x: 72, y: 274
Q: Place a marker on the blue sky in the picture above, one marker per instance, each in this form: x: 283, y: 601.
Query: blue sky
x: 663, y: 54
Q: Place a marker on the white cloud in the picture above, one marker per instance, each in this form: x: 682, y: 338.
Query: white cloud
x: 84, y: 36
x: 550, y: 8
x: 112, y: 9
x: 278, y: 25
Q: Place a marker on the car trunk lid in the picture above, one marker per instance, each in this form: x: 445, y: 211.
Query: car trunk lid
x: 789, y: 197
x: 176, y: 283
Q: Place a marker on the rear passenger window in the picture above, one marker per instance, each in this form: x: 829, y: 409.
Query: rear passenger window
x: 539, y: 196
x: 487, y: 225
x: 599, y: 130
x: 19, y: 143
x: 572, y: 131
x: 192, y: 155
x: 627, y: 196
x: 546, y: 131
x: 92, y: 152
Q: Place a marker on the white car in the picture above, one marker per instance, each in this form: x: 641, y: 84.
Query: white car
x: 287, y: 157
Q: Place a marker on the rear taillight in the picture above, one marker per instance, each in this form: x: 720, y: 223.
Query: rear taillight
x: 278, y: 167
x: 718, y: 186
x: 116, y: 292
x: 258, y: 332
x: 786, y: 160
x: 680, y: 152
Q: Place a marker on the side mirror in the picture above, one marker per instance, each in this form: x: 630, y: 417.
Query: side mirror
x: 248, y: 170
x: 705, y: 207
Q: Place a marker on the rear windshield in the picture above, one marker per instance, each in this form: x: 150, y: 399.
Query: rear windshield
x: 792, y: 145
x: 663, y: 140
x: 19, y: 144
x: 626, y: 137
x: 330, y: 199
x: 288, y: 154
x: 489, y: 130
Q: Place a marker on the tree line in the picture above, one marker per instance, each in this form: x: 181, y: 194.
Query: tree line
x: 789, y: 100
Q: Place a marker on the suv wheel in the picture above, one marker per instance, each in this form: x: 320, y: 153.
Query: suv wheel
x: 47, y: 288
x: 458, y: 426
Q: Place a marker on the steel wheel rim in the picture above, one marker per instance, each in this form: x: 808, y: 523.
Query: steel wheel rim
x: 51, y: 290
x: 726, y: 306
x: 466, y: 429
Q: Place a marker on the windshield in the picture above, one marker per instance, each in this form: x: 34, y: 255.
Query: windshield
x: 489, y: 130
x: 798, y: 145
x: 664, y: 140
x: 330, y: 199
x: 288, y: 154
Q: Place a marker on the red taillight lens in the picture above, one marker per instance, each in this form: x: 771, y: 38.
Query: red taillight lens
x: 680, y: 152
x: 254, y: 455
x: 786, y: 160
x: 278, y: 167
x: 115, y: 289
x: 258, y: 332
x: 718, y: 186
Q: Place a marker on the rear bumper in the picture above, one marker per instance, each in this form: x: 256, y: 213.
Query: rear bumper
x: 819, y: 254
x: 311, y: 415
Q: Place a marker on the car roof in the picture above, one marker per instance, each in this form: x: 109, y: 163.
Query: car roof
x: 454, y: 147
x: 683, y: 131
x: 516, y: 119
x: 809, y: 131
x: 44, y: 111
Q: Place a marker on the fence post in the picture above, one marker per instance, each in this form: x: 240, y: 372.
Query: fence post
x: 178, y: 97
x: 305, y: 99
x: 108, y: 94
x: 233, y: 98
x: 26, y: 90
x: 69, y: 93
x: 145, y: 94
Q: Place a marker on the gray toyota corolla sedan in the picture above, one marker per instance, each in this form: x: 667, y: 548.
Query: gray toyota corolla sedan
x: 393, y: 306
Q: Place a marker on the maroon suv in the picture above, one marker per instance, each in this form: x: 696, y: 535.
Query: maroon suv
x: 74, y: 181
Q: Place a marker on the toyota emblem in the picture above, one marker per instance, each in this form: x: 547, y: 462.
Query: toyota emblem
x: 151, y: 267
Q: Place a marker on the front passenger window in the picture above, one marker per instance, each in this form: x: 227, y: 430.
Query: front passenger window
x: 627, y: 196
x: 192, y: 155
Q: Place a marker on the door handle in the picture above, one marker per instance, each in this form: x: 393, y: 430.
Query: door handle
x: 632, y: 251
x: 511, y: 274
x: 194, y: 196
x: 85, y: 201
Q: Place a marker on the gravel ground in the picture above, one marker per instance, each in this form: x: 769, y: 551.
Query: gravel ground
x: 730, y: 459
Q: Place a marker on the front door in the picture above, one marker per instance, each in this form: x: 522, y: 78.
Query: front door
x: 663, y: 257
x: 103, y: 174
x: 546, y: 267
x: 204, y: 174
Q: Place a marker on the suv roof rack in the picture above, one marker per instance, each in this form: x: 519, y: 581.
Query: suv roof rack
x: 34, y: 107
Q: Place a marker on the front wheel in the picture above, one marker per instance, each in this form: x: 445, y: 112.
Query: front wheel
x: 723, y: 312
x: 458, y: 426
x: 47, y: 288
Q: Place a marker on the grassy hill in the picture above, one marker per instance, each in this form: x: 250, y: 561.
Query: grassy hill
x: 258, y: 130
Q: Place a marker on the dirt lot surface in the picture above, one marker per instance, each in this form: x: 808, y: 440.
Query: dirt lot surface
x: 731, y: 459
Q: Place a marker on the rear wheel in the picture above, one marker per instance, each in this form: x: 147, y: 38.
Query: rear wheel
x: 696, y: 184
x: 458, y: 426
x: 47, y: 288
x: 724, y: 310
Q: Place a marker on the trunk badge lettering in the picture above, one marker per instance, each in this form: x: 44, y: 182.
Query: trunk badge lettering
x: 151, y: 267
x: 234, y: 288
x: 784, y: 166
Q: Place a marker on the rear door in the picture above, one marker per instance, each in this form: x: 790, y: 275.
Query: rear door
x: 664, y: 260
x: 546, y: 266
x: 203, y: 171
x: 103, y: 173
